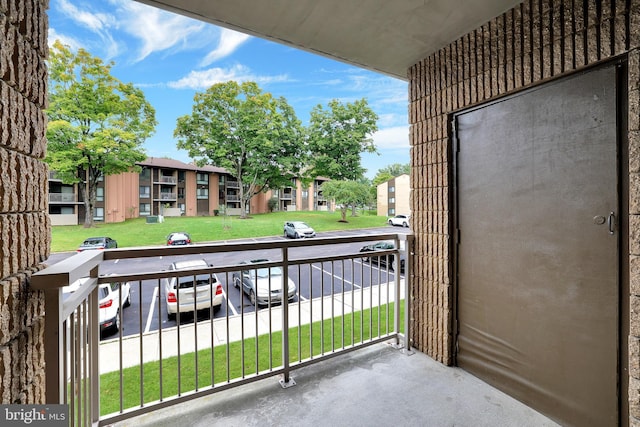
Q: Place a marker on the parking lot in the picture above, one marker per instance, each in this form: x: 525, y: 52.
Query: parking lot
x: 144, y: 315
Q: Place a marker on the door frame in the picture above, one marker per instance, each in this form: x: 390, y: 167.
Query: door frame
x: 622, y: 128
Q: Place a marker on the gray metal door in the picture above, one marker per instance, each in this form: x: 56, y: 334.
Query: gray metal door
x: 537, y: 259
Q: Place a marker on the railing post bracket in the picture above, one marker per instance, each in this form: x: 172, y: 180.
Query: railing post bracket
x: 286, y: 384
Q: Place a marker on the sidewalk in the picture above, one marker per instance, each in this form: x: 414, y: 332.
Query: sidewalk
x: 204, y: 333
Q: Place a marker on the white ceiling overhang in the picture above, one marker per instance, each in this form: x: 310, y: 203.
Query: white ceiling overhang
x: 387, y: 36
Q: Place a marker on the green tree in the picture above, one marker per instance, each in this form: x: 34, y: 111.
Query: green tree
x: 338, y: 135
x: 251, y: 134
x: 97, y: 124
x: 391, y: 171
x: 347, y: 194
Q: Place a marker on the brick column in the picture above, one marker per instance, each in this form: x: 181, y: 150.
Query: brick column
x: 24, y: 222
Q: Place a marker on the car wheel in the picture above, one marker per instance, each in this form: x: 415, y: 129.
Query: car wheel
x: 390, y: 222
x: 252, y: 298
x: 127, y: 302
x: 285, y: 234
x: 235, y: 282
x: 298, y: 236
x: 171, y: 316
x: 404, y: 224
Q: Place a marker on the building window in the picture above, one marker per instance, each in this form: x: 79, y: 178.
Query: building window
x: 145, y: 192
x: 305, y: 194
x: 100, y: 194
x: 98, y: 214
x: 145, y: 173
x: 392, y: 212
x: 392, y: 200
x: 392, y: 189
x: 180, y: 193
x: 183, y: 208
x: 202, y: 178
x: 145, y: 209
x: 181, y: 176
x: 202, y: 193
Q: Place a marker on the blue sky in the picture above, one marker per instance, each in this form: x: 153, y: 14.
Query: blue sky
x: 172, y: 57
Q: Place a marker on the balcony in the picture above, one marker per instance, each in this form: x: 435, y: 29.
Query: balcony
x: 232, y: 184
x: 166, y: 180
x: 166, y: 196
x: 336, y: 352
x: 62, y: 198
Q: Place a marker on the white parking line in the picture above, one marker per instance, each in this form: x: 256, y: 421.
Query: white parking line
x: 229, y: 305
x: 151, y: 311
x: 337, y: 277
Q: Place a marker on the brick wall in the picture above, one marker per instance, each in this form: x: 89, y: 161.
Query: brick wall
x: 530, y: 43
x: 24, y: 223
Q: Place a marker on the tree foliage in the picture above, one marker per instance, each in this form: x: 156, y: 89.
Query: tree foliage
x: 97, y: 124
x: 347, y: 194
x: 251, y: 134
x: 391, y: 171
x: 338, y: 135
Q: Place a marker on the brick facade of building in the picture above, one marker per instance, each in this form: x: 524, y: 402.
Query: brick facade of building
x: 24, y: 224
x: 529, y: 44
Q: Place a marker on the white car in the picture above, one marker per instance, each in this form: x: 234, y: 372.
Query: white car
x: 108, y: 298
x: 402, y: 220
x: 298, y: 230
x: 194, y: 292
x: 109, y: 303
x: 263, y: 285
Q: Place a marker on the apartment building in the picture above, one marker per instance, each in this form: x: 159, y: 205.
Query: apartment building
x: 170, y: 187
x: 163, y: 187
x: 393, y: 196
x: 298, y: 197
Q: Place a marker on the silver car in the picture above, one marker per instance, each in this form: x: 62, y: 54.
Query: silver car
x: 298, y: 230
x: 263, y: 285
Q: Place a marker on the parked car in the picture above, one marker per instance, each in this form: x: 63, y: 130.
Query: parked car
x: 109, y: 297
x: 298, y: 230
x: 383, y: 259
x: 109, y: 303
x: 179, y: 238
x: 98, y: 243
x: 263, y: 285
x: 402, y: 220
x: 195, y: 292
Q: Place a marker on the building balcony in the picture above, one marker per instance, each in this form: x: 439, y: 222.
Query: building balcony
x: 167, y: 180
x: 335, y: 353
x: 64, y: 198
x: 167, y: 196
x: 232, y: 184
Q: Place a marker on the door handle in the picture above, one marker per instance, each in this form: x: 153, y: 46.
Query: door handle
x: 611, y: 222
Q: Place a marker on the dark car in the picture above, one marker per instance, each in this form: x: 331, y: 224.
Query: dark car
x: 98, y: 243
x: 382, y: 259
x: 179, y: 238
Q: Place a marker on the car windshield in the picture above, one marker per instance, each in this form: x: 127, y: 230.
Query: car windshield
x: 92, y: 242
x: 187, y: 281
x: 300, y: 225
x: 264, y: 272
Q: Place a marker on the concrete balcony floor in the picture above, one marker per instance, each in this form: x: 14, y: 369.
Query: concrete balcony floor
x: 375, y: 386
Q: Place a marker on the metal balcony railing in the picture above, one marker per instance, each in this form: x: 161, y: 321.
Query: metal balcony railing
x: 340, y: 303
x: 167, y: 196
x: 62, y: 198
x: 232, y: 184
x: 167, y: 180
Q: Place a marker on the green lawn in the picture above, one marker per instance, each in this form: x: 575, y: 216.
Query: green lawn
x: 136, y: 232
x: 227, y: 359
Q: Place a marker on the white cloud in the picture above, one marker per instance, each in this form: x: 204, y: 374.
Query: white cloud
x: 65, y: 40
x: 396, y: 138
x: 229, y: 41
x: 156, y: 29
x: 206, y: 78
x: 96, y: 22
